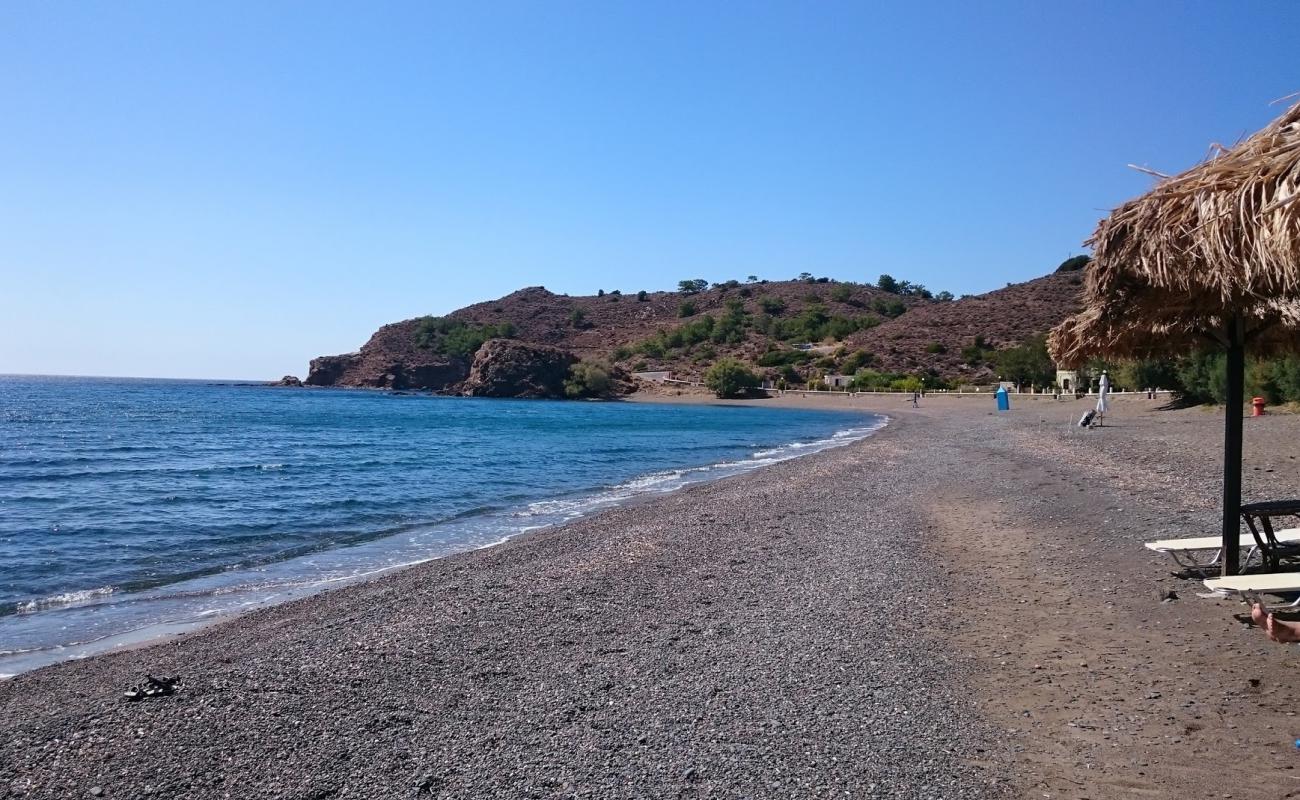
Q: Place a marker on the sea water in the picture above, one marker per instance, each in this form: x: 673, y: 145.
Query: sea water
x: 134, y: 508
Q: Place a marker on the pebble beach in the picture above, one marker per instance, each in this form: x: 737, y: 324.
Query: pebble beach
x: 958, y: 606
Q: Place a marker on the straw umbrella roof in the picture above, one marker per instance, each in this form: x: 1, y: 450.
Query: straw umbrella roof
x: 1174, y: 266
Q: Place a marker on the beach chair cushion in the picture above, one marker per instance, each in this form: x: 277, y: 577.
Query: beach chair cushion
x: 1289, y: 535
x: 1271, y: 582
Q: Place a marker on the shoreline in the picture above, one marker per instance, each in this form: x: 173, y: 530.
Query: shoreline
x: 598, y: 499
x: 957, y: 606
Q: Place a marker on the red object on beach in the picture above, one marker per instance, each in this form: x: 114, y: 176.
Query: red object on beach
x: 1258, y: 405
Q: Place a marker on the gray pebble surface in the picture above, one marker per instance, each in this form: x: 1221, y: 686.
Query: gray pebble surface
x: 762, y: 636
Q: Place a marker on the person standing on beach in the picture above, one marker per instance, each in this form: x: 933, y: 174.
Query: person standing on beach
x: 915, y: 396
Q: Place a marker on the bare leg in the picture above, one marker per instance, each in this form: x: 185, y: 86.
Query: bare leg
x: 1277, y: 630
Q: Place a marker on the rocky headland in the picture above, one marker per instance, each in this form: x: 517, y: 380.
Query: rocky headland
x: 786, y: 330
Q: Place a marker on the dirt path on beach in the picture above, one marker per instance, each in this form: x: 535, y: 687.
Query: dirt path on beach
x: 957, y: 607
x: 1103, y: 688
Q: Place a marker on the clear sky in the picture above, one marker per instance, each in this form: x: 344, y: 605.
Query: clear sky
x: 228, y: 189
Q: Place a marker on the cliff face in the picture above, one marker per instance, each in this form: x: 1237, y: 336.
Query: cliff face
x: 507, y: 368
x: 390, y: 360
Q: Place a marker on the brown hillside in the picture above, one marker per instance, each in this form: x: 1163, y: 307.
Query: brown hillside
x: 616, y: 328
x: 1005, y: 318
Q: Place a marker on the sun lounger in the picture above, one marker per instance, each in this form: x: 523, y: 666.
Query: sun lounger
x: 1264, y: 583
x: 1203, y: 553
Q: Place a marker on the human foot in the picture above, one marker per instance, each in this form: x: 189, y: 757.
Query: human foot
x: 1278, y: 631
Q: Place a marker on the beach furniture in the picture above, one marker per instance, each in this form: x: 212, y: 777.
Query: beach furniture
x: 1272, y: 545
x: 1263, y: 583
x: 1205, y: 553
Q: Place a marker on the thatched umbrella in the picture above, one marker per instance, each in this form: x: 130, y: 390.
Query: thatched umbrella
x: 1207, y: 259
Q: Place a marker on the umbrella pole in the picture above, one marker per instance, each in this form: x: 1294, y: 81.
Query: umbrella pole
x: 1232, y: 447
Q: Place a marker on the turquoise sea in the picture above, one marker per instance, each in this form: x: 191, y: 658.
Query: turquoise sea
x: 130, y: 508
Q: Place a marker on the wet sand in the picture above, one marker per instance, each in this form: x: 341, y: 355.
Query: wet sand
x: 958, y: 606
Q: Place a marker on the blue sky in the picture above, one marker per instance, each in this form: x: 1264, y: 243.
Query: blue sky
x: 229, y: 189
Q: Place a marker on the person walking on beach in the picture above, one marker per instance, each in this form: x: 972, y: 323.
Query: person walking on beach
x: 915, y: 396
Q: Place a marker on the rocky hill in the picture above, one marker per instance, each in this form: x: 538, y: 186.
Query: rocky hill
x: 792, y: 330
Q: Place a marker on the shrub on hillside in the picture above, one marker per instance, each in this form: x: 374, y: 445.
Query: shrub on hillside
x: 1074, y: 264
x: 455, y: 337
x: 888, y: 307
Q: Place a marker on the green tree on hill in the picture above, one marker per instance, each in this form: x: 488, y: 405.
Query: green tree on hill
x: 1027, y: 363
x: 692, y: 286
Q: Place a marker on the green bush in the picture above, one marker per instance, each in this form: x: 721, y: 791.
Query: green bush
x: 652, y: 347
x: 641, y: 296
x: 587, y: 379
x: 1027, y: 363
x: 1074, y: 264
x: 731, y: 327
x: 841, y: 293
x: 686, y: 309
x: 1276, y: 380
x: 890, y: 307
x: 771, y: 305
x: 621, y: 353
x: 856, y: 361
x: 777, y: 358
x: 873, y: 381
x: 730, y: 378
x: 455, y: 337
x: 578, y: 319
x: 936, y: 347
x: 692, y: 286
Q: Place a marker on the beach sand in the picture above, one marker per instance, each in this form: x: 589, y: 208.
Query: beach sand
x: 958, y: 606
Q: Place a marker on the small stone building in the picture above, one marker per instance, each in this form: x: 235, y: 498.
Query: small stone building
x: 1067, y: 381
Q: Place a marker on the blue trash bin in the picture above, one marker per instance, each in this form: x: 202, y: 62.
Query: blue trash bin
x: 1004, y: 399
